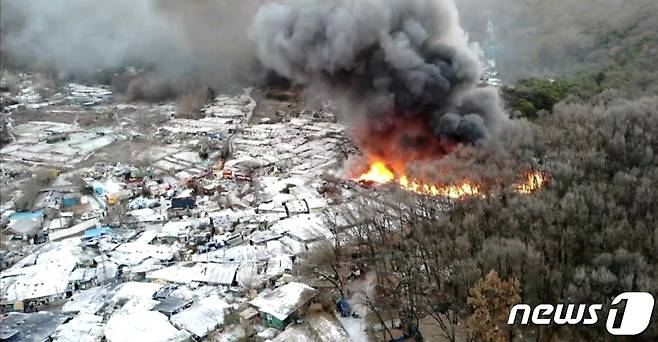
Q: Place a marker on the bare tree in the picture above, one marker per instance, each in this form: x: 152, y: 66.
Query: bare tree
x: 326, y: 263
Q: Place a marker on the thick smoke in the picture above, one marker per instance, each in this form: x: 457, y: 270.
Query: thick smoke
x: 179, y: 42
x: 405, y: 69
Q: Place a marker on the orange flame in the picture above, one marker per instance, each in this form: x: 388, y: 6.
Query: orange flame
x: 533, y: 181
x: 379, y: 173
x: 452, y: 191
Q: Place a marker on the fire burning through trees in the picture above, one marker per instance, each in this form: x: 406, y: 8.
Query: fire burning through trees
x: 379, y: 173
x: 532, y: 181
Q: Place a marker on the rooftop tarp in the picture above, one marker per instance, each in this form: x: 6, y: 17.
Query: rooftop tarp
x: 26, y: 215
x: 96, y: 232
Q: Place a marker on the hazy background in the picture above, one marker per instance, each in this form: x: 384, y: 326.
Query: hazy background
x: 201, y: 41
x: 535, y: 37
x: 205, y: 41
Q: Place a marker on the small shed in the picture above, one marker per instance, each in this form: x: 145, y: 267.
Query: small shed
x: 248, y: 315
x: 280, y: 307
x: 26, y: 223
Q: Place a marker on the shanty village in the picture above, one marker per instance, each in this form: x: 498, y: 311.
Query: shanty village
x: 134, y: 222
x: 174, y: 221
x: 328, y: 171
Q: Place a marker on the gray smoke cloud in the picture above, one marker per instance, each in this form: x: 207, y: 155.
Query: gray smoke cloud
x: 389, y: 59
x: 201, y: 41
x: 384, y: 59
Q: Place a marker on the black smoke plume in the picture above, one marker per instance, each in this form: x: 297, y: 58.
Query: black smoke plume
x: 390, y: 61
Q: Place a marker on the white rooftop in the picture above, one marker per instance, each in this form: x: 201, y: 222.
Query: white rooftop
x: 48, y: 276
x: 142, y: 326
x: 82, y: 328
x: 185, y: 273
x: 201, y: 317
x: 284, y: 300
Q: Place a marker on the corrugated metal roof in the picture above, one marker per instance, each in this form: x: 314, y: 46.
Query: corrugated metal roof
x: 212, y: 273
x: 171, y: 304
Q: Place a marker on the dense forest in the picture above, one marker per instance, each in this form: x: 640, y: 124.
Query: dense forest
x: 590, y: 234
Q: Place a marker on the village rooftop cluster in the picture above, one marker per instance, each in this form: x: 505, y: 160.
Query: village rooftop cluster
x: 196, y: 235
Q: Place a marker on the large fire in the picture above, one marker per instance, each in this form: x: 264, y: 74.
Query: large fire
x: 379, y: 173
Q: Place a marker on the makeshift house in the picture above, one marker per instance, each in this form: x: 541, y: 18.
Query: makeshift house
x: 33, y: 284
x: 49, y: 202
x: 141, y: 325
x: 248, y: 316
x: 294, y: 207
x: 305, y: 228
x: 280, y: 307
x: 91, y: 300
x: 77, y: 229
x: 326, y: 328
x: 184, y: 273
x: 37, y: 326
x: 263, y: 236
x: 164, y: 291
x: 82, y: 278
x: 202, y: 317
x: 26, y: 224
x: 83, y: 327
x: 62, y: 221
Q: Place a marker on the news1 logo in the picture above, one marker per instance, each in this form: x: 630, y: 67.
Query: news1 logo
x: 633, y: 319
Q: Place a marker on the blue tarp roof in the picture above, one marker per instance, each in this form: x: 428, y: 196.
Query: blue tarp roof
x: 67, y: 202
x: 95, y: 232
x: 26, y: 215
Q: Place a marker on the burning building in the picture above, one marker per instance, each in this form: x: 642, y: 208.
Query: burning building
x: 403, y: 72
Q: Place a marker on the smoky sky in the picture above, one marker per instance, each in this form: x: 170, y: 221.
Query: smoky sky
x: 381, y: 58
x: 180, y: 39
x: 386, y: 58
